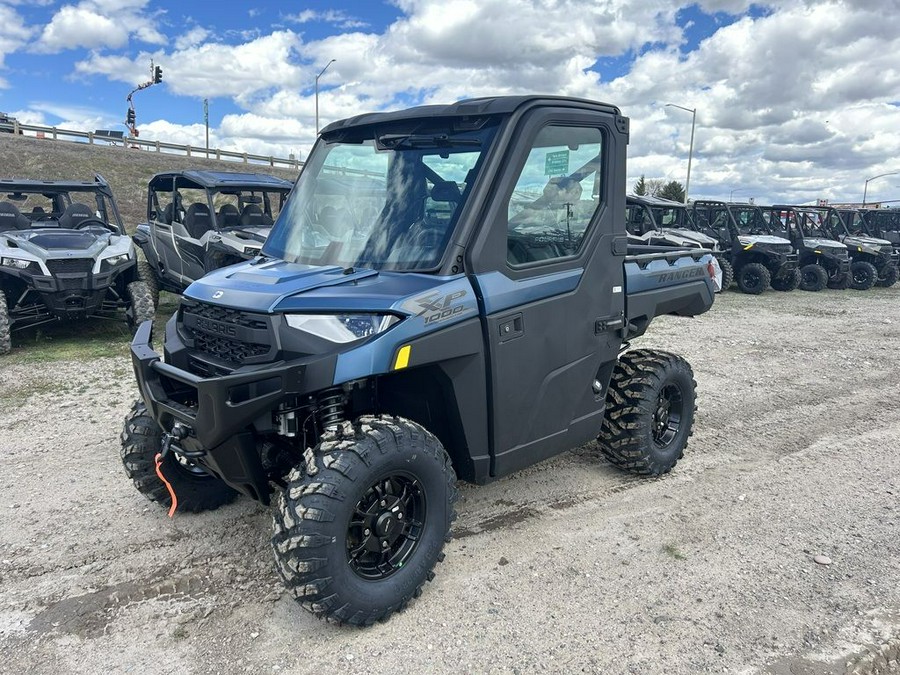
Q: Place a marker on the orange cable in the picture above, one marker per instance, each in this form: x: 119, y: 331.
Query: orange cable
x: 158, y: 460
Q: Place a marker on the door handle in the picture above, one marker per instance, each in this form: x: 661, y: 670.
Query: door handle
x: 511, y: 328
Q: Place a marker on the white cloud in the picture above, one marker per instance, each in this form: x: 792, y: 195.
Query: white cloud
x: 192, y: 38
x: 14, y: 35
x: 332, y: 16
x: 95, y: 24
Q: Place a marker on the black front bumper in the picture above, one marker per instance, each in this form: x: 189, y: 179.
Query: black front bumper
x: 226, y: 415
x: 71, y: 295
x: 784, y: 264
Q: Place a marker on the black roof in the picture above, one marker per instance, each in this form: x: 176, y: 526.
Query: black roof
x: 653, y: 201
x: 234, y: 179
x: 40, y: 186
x: 494, y: 105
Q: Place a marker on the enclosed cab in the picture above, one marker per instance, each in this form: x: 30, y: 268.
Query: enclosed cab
x: 198, y: 221
x: 759, y: 259
x: 884, y: 224
x: 824, y: 261
x: 465, y: 316
x: 873, y: 260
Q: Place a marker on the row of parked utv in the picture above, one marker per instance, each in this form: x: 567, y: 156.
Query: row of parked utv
x: 782, y: 247
x: 65, y: 253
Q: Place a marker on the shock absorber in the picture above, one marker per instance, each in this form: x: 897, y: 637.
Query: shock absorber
x: 331, y: 407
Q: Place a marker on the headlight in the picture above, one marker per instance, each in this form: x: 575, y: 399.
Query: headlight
x: 112, y: 261
x: 341, y: 328
x: 16, y: 263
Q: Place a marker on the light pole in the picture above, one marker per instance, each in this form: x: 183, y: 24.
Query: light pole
x: 206, y: 122
x: 693, y: 111
x: 881, y: 175
x: 731, y: 194
x: 322, y: 72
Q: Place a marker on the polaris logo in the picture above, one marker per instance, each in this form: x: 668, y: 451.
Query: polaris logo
x: 690, y: 273
x: 216, y: 327
x: 217, y: 295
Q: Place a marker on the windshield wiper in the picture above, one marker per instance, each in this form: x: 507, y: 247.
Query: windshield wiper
x: 397, y: 141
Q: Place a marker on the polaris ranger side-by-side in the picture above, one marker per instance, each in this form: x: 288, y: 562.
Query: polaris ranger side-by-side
x: 65, y: 255
x: 198, y: 221
x: 759, y: 259
x: 884, y: 224
x: 873, y: 260
x: 823, y: 261
x: 644, y: 218
x: 466, y: 318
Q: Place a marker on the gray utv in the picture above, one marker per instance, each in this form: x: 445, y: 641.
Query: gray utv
x: 65, y: 255
x: 199, y: 221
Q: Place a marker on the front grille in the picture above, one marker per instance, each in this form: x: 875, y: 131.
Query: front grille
x: 783, y: 248
x: 70, y: 265
x: 227, y: 334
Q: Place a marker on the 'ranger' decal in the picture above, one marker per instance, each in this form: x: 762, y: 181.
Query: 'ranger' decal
x: 689, y: 273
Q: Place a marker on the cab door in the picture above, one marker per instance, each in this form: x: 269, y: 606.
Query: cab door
x: 161, y: 215
x: 550, y: 284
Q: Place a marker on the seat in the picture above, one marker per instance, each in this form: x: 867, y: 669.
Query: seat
x: 253, y: 216
x: 197, y: 220
x: 169, y: 213
x: 11, y: 219
x: 228, y: 216
x: 74, y: 214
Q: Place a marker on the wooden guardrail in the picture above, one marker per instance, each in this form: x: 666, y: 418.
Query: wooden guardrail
x: 129, y: 142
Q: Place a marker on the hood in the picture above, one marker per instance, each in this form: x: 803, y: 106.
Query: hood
x: 865, y: 242
x: 54, y: 243
x: 815, y: 242
x: 748, y: 239
x: 689, y: 236
x: 279, y: 286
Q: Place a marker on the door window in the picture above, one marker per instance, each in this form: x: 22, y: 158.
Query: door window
x: 556, y: 195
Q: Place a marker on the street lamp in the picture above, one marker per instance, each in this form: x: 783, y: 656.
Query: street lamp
x: 731, y: 194
x: 317, y: 92
x: 693, y: 111
x: 881, y: 175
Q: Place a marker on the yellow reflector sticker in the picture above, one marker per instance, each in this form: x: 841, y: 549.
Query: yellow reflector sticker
x: 402, y: 358
x: 748, y: 247
x: 817, y: 251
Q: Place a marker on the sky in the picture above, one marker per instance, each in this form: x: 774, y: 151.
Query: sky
x: 796, y: 101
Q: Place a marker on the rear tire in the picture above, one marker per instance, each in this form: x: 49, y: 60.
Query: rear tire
x: 142, y: 308
x: 753, y: 278
x: 813, y: 278
x: 5, y: 326
x: 356, y: 541
x: 195, y: 490
x: 887, y: 277
x: 788, y: 282
x: 863, y: 275
x: 727, y: 272
x: 650, y: 407
x: 147, y: 274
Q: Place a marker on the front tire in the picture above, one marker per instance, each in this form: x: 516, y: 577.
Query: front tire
x: 195, y: 490
x: 813, y: 278
x: 147, y: 274
x: 753, y: 278
x: 356, y: 541
x: 650, y: 407
x: 5, y: 326
x: 787, y: 282
x: 142, y: 308
x: 887, y: 277
x: 863, y: 275
x: 727, y: 272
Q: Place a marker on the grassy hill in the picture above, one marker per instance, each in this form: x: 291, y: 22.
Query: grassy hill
x: 127, y: 170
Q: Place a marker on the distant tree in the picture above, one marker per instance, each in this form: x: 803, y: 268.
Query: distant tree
x: 672, y: 190
x: 640, y: 188
x: 655, y: 187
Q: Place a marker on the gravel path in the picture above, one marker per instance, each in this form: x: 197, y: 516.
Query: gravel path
x: 568, y: 566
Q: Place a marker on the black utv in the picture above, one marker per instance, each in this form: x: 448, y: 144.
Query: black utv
x: 824, y: 261
x: 198, y: 221
x: 885, y: 224
x: 759, y: 259
x: 65, y: 255
x: 873, y: 260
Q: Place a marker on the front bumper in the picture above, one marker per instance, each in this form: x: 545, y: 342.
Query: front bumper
x: 225, y: 414
x: 784, y: 264
x: 70, y: 294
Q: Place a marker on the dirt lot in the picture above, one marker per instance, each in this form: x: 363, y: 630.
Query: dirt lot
x: 569, y: 566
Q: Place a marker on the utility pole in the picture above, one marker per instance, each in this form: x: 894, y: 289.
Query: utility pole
x: 206, y: 121
x: 693, y: 111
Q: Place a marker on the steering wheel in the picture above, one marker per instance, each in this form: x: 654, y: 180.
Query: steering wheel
x: 94, y: 222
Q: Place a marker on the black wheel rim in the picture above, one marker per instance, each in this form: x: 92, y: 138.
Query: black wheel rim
x: 386, y: 526
x: 751, y: 279
x: 860, y: 276
x: 809, y: 278
x: 667, y: 418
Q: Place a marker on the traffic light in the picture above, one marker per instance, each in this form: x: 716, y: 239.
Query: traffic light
x: 129, y: 117
x: 157, y: 75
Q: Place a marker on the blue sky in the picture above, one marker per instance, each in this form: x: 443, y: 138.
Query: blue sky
x: 796, y: 99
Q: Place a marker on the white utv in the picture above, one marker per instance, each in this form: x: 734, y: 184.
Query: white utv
x: 64, y: 254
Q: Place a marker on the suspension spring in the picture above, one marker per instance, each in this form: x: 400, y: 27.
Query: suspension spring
x: 331, y: 408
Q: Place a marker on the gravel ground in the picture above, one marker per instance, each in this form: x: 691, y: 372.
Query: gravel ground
x: 567, y: 566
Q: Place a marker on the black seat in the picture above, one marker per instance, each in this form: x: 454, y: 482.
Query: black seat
x: 11, y: 218
x: 169, y: 213
x: 74, y: 215
x: 38, y: 212
x: 197, y: 221
x: 228, y: 216
x: 252, y: 216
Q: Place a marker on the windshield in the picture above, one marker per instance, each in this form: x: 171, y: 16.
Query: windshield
x: 813, y: 225
x: 247, y: 207
x: 44, y: 208
x: 668, y: 216
x: 749, y: 220
x: 385, y: 203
